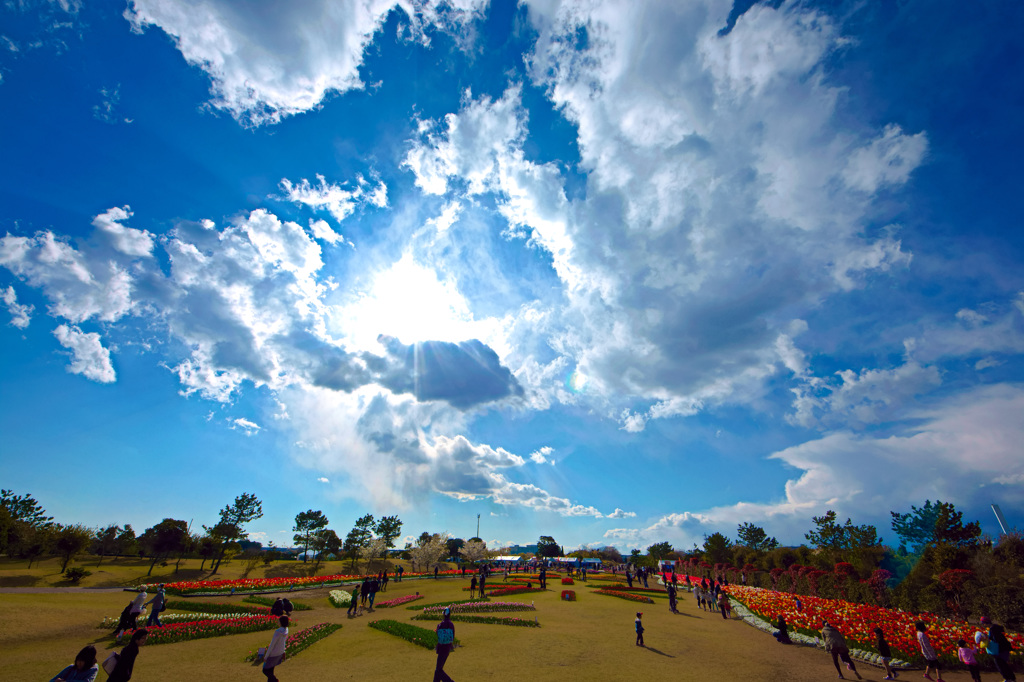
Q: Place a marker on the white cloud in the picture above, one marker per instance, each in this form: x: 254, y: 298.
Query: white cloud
x: 965, y: 450
x: 21, y: 314
x: 715, y: 206
x: 249, y: 428
x: 88, y: 356
x: 275, y: 60
x: 323, y: 480
x: 542, y: 456
x: 127, y: 240
x: 335, y: 199
x: 887, y: 160
x: 620, y: 514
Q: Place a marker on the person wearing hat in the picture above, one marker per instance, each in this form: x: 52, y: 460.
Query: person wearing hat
x: 638, y: 624
x: 445, y: 644
x: 159, y: 602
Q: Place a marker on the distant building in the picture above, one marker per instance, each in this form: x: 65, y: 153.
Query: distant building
x: 522, y: 549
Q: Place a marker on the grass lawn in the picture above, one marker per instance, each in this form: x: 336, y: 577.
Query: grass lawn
x: 590, y: 639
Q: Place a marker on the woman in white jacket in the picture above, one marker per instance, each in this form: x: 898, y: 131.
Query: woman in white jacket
x: 275, y: 652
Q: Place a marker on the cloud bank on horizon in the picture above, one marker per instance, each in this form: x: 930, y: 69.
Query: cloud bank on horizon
x: 724, y: 239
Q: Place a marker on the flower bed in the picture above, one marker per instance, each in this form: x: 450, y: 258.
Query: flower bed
x: 489, y: 620
x: 857, y: 622
x: 568, y: 595
x: 624, y: 595
x: 481, y: 607
x: 339, y: 599
x: 567, y: 581
x: 201, y: 629
x: 111, y: 622
x: 271, y: 584
x: 410, y: 633
x: 397, y: 601
x: 623, y: 588
x: 514, y: 591
x: 303, y: 639
x: 442, y: 604
x: 208, y: 607
x: 268, y: 602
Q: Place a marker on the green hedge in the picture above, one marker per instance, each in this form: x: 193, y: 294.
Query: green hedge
x: 410, y: 633
x: 267, y: 601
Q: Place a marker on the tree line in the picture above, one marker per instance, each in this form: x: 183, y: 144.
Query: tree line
x: 941, y: 564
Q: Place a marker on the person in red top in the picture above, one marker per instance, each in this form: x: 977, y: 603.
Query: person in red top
x: 445, y: 644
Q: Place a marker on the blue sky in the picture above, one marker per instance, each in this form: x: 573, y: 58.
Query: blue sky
x: 613, y: 272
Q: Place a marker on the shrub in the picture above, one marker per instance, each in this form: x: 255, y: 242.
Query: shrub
x: 76, y: 573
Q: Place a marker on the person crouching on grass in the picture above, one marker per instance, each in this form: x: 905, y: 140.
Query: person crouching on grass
x: 639, y: 629
x: 884, y: 654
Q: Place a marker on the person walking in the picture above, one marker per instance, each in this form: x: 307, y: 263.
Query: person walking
x: 723, y: 604
x: 445, y: 645
x: 931, y: 659
x: 638, y: 624
x: 672, y: 598
x: 275, y: 652
x: 126, y: 659
x: 999, y: 648
x: 968, y: 656
x: 435, y: 572
x: 288, y: 606
x: 835, y: 644
x: 401, y: 570
x: 372, y: 587
x: 158, y: 603
x: 353, y: 606
x: 483, y: 582
x: 84, y: 669
x: 472, y: 587
x: 277, y: 608
x: 132, y: 621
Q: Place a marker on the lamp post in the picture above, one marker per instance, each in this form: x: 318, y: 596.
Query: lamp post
x: 478, y: 525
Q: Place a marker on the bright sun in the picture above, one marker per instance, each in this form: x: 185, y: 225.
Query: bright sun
x: 408, y: 301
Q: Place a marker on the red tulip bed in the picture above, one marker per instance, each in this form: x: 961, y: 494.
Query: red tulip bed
x: 624, y: 595
x: 303, y: 639
x: 639, y: 590
x: 201, y: 629
x: 193, y: 587
x: 567, y: 581
x: 568, y: 595
x: 397, y: 601
x: 857, y: 622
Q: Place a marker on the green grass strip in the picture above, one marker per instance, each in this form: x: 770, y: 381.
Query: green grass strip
x: 410, y: 633
x: 489, y: 620
x: 267, y: 601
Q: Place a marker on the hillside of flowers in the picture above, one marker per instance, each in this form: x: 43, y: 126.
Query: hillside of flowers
x: 857, y: 622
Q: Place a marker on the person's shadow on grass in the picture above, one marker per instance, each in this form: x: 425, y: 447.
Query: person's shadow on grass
x: 661, y: 653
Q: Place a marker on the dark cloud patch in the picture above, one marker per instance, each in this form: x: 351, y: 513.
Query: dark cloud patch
x: 462, y: 374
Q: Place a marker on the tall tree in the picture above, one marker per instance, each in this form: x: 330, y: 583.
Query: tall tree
x: 755, y: 538
x: 717, y: 548
x: 106, y: 541
x: 388, y: 528
x: 547, y: 547
x: 847, y: 540
x: 24, y: 508
x: 163, y: 539
x: 659, y: 551
x: 429, y: 551
x: 70, y: 541
x: 307, y: 525
x: 358, y: 537
x: 244, y: 509
x: 454, y: 545
x: 127, y: 544
x: 20, y: 517
x: 474, y: 550
x: 938, y: 523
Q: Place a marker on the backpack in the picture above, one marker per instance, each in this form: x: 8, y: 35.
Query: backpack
x: 110, y: 662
